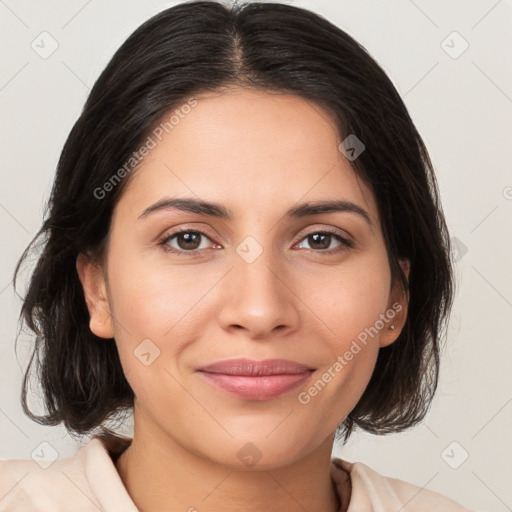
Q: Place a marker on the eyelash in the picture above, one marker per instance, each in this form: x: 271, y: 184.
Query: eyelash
x: 163, y: 242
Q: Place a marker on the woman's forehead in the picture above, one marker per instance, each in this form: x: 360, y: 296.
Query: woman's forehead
x: 253, y: 149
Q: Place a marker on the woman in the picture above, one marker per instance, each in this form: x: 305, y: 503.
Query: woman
x: 244, y: 244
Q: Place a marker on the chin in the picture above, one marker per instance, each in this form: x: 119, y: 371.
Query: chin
x: 258, y: 453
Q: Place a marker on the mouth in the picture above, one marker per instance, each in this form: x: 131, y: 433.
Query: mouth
x: 256, y: 380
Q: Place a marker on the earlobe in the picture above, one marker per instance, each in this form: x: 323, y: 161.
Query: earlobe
x: 390, y: 334
x: 394, y: 327
x: 95, y: 294
x: 397, y: 310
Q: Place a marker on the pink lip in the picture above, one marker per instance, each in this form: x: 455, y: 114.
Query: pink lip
x: 256, y: 380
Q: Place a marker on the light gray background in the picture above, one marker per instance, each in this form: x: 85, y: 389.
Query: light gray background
x: 463, y: 109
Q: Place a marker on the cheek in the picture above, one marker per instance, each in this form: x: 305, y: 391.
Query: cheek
x: 350, y: 298
x: 349, y: 303
x: 149, y: 299
x: 159, y: 310
x: 337, y: 390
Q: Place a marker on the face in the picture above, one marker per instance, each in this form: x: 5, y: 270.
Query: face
x: 268, y: 280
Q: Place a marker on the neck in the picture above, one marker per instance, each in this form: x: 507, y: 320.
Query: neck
x: 160, y: 474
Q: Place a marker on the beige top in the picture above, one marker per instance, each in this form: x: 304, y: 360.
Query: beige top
x: 89, y: 481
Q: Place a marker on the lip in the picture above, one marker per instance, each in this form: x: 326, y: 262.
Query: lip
x: 256, y: 380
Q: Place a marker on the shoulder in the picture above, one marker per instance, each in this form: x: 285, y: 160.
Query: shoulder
x: 57, y: 486
x: 372, y: 491
x: 30, y: 485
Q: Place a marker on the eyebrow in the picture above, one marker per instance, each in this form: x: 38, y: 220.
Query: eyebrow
x: 192, y: 205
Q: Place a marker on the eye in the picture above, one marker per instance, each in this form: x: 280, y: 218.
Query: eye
x: 186, y: 241
x: 321, y: 241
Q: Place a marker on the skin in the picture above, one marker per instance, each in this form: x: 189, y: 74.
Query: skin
x: 293, y: 302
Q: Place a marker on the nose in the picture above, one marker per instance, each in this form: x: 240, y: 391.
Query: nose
x: 258, y: 298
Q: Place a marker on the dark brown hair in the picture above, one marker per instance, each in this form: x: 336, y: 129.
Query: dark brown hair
x: 205, y: 46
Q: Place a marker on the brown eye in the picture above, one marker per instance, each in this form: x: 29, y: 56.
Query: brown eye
x: 322, y: 241
x: 184, y: 241
x: 319, y: 240
x: 188, y: 240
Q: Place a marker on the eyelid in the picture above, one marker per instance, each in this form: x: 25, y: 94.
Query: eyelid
x: 170, y: 234
x: 323, y: 229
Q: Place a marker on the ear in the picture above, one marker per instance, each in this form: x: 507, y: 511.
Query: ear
x: 398, y: 302
x: 96, y: 296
